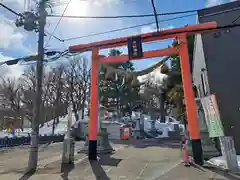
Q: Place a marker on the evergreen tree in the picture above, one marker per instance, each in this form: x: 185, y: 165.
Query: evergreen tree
x: 117, y: 91
x: 176, y: 94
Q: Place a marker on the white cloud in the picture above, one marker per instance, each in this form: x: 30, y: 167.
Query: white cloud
x: 147, y: 29
x: 88, y: 7
x: 70, y: 27
x: 17, y: 5
x: 12, y: 37
x: 10, y: 71
x: 214, y: 2
x: 152, y: 28
x: 9, y: 36
x: 217, y: 2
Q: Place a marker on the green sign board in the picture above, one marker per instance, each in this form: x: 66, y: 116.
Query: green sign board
x: 212, y: 116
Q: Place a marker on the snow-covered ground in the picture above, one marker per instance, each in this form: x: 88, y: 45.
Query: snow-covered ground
x: 46, y: 129
x: 163, y: 127
x: 61, y: 127
x: 221, y: 162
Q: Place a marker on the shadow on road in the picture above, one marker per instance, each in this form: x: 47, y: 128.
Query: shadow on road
x: 144, y: 143
x: 222, y: 173
x: 65, y: 170
x: 98, y: 171
x: 104, y: 160
x: 27, y: 176
x: 107, y: 160
x: 197, y: 167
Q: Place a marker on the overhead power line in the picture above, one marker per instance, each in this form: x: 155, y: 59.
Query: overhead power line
x: 229, y: 26
x: 146, y: 15
x: 19, y: 14
x: 55, y: 55
x: 122, y: 29
x: 145, y: 24
x: 127, y: 28
x: 52, y: 34
x: 106, y: 32
x: 155, y: 14
x: 125, y: 16
x: 9, y: 9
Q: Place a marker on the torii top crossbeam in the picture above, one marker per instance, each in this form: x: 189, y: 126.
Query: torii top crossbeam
x: 135, y: 52
x: 147, y: 37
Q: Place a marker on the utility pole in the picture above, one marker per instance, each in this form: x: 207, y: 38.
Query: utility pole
x: 33, y: 156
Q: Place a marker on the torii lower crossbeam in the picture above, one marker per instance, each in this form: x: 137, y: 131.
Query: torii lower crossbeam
x: 179, y: 33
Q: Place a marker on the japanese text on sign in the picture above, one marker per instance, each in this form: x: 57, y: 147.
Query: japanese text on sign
x: 212, y: 116
x: 135, y: 48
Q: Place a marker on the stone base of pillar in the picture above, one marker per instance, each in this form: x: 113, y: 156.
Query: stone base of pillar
x: 68, y: 151
x: 209, y: 150
x: 103, y: 144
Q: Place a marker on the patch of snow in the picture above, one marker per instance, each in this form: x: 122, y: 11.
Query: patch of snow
x: 61, y: 127
x: 46, y: 129
x: 221, y: 161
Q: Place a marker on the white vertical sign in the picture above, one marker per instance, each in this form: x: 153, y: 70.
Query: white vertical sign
x: 229, y: 152
x: 215, y: 129
x: 212, y: 116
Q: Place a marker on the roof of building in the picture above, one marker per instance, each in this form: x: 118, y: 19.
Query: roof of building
x: 220, y: 8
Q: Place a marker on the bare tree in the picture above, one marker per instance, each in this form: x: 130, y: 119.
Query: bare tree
x: 77, y: 76
x: 54, y: 93
x: 11, y: 95
x: 85, y: 77
x: 28, y: 81
x: 61, y: 85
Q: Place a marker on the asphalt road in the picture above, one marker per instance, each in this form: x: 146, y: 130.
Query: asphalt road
x: 17, y: 158
x: 138, y: 160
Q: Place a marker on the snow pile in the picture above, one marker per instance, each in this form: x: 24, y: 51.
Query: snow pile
x: 61, y: 127
x: 46, y: 129
x: 221, y: 162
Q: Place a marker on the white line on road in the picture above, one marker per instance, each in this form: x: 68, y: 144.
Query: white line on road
x: 164, y: 171
x: 141, y: 172
x: 80, y: 160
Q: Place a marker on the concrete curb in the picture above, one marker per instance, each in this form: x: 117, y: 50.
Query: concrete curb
x: 217, y: 169
x: 208, y: 166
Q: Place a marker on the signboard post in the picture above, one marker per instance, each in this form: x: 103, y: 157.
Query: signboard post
x: 215, y: 129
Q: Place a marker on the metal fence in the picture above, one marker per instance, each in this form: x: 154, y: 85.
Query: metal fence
x: 21, y: 141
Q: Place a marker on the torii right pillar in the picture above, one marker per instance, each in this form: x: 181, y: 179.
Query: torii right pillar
x: 192, y: 117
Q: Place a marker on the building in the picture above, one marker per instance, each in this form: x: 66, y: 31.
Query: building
x: 216, y: 65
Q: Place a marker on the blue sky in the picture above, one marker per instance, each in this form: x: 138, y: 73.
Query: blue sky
x: 15, y: 42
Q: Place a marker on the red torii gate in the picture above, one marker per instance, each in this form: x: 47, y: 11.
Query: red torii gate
x: 179, y: 33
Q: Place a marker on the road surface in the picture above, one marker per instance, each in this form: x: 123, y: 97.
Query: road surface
x: 139, y: 161
x: 12, y: 159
